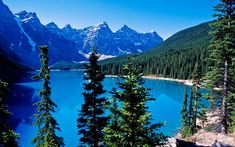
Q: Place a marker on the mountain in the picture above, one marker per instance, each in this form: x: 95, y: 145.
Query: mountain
x: 174, y: 58
x: 123, y: 41
x: 59, y: 47
x: 22, y: 33
x: 12, y: 39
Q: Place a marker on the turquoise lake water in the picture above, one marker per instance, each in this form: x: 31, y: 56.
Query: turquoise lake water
x: 66, y: 93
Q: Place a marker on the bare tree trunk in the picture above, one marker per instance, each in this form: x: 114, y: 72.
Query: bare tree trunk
x: 224, y: 129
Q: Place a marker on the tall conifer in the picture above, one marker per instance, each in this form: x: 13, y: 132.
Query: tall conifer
x: 221, y: 59
x: 196, y: 96
x: 136, y: 126
x: 47, y: 125
x: 191, y: 113
x: 185, y: 116
x: 92, y: 119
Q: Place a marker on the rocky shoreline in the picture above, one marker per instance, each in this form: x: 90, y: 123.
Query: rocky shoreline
x: 208, y: 136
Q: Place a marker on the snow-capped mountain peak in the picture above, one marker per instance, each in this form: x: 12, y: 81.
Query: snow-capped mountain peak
x: 125, y: 30
x: 26, y: 17
x: 123, y: 41
x: 102, y: 25
x: 52, y: 25
x: 67, y: 27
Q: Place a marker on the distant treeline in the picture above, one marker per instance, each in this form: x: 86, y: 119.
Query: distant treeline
x: 175, y: 58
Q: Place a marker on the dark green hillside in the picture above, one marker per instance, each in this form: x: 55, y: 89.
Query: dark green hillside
x: 10, y: 70
x: 174, y: 58
x: 65, y: 65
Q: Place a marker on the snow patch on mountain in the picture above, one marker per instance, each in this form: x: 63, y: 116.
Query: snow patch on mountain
x: 139, y: 50
x: 137, y: 43
x: 27, y: 19
x: 31, y: 42
x: 122, y: 51
x: 102, y: 56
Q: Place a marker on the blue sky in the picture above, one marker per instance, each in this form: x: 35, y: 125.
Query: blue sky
x: 163, y: 16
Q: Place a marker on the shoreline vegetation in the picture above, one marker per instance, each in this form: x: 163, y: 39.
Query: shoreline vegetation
x: 182, y: 81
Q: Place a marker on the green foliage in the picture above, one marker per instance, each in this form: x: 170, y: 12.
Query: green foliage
x: 195, y: 102
x: 47, y: 125
x: 222, y: 59
x: 8, y: 137
x: 191, y: 113
x: 135, y: 125
x: 92, y: 121
x: 185, y: 116
x: 175, y: 57
x: 113, y: 132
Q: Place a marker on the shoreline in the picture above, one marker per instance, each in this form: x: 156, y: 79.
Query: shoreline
x: 185, y: 82
x: 153, y: 77
x: 67, y: 70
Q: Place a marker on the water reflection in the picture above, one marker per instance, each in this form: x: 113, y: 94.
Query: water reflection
x: 20, y: 102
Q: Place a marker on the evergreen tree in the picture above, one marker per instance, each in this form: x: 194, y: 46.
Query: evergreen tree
x: 196, y: 97
x: 185, y: 116
x: 8, y: 138
x: 221, y: 59
x: 91, y: 119
x: 191, y: 114
x: 113, y: 132
x: 136, y: 126
x: 194, y: 103
x: 46, y: 136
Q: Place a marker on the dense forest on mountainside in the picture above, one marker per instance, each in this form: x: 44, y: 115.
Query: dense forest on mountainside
x: 174, y: 58
x: 9, y: 69
x: 65, y: 65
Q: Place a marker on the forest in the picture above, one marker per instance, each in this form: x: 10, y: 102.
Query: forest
x: 174, y: 58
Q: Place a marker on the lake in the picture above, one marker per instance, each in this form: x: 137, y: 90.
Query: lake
x: 66, y: 93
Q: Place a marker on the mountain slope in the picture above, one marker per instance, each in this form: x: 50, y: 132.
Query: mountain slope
x: 59, y: 48
x: 10, y: 70
x: 123, y: 41
x: 21, y: 34
x: 174, y: 58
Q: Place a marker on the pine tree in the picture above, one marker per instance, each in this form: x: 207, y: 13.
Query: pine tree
x: 185, y: 116
x: 8, y: 138
x: 47, y: 125
x: 92, y: 119
x: 135, y: 118
x: 221, y: 59
x: 195, y: 102
x: 192, y: 113
x: 113, y: 132
x: 196, y: 96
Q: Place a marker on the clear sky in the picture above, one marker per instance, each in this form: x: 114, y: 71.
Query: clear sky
x: 163, y: 16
